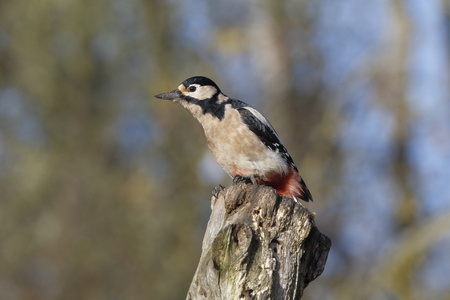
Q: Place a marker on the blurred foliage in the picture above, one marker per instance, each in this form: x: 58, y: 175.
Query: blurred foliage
x: 103, y: 188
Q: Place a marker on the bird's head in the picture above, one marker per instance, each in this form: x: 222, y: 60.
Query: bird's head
x: 200, y: 96
x: 197, y: 88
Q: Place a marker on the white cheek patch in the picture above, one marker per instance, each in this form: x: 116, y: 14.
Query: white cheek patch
x: 202, y: 92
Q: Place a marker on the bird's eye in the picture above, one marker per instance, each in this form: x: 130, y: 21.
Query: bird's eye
x: 192, y: 88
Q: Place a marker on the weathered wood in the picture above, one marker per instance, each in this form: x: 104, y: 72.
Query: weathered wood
x: 258, y: 245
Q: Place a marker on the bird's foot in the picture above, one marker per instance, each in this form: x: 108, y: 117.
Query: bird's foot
x: 217, y: 190
x: 239, y: 178
x: 246, y: 179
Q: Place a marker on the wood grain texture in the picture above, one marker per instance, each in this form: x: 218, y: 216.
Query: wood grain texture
x: 258, y: 245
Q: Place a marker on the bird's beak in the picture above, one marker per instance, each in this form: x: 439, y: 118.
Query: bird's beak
x: 175, y: 94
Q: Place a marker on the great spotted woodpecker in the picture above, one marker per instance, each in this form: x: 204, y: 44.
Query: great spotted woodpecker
x: 240, y: 138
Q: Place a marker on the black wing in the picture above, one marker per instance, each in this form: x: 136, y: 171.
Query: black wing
x: 264, y: 130
x: 266, y: 134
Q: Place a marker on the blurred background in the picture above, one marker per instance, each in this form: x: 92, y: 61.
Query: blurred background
x: 105, y: 191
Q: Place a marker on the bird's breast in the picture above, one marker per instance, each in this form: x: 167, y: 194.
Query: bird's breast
x: 236, y: 147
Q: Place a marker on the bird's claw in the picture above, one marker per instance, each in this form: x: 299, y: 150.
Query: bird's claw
x: 238, y: 178
x: 254, y: 179
x: 246, y: 179
x: 217, y: 190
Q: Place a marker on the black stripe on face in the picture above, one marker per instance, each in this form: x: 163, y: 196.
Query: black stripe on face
x: 210, y: 106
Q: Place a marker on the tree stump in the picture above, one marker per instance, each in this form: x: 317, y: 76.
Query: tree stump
x: 258, y: 245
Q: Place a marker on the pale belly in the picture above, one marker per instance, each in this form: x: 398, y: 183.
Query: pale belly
x: 239, y: 151
x: 235, y: 147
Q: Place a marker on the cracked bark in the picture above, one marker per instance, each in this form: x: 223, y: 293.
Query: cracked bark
x: 258, y: 245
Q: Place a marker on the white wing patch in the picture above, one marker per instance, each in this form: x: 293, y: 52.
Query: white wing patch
x: 260, y: 117
x: 201, y: 92
x: 257, y: 114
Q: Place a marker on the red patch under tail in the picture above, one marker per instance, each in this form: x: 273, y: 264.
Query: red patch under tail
x: 290, y: 185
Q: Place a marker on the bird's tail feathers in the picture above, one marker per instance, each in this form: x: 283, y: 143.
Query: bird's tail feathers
x: 290, y: 185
